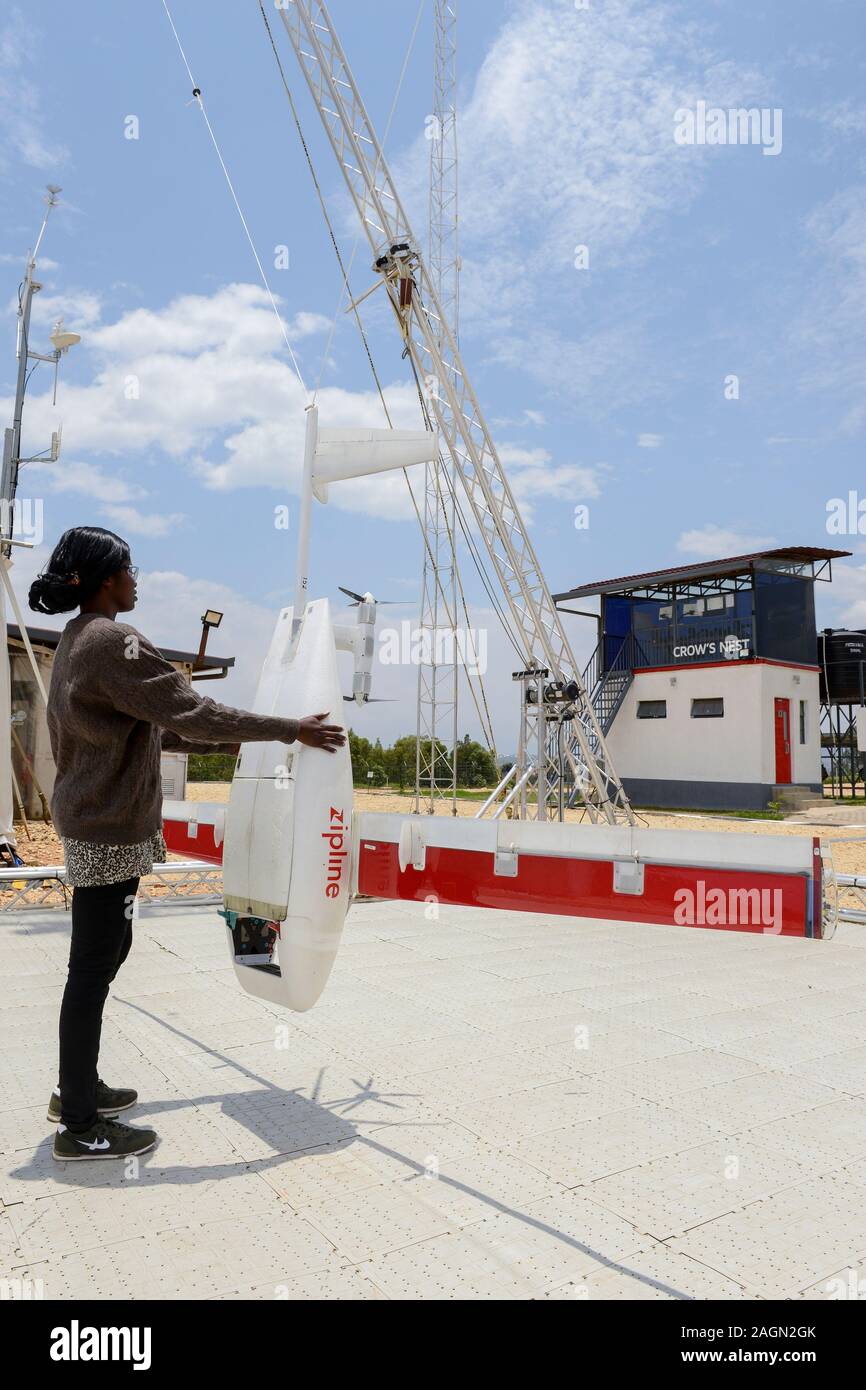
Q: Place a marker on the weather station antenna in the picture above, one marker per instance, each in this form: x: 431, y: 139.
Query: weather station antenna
x: 13, y: 460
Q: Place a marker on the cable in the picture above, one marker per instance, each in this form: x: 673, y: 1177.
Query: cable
x: 312, y: 168
x: 486, y: 725
x: 323, y: 205
x: 407, y: 353
x: 196, y: 91
x: 494, y: 598
x: 382, y: 146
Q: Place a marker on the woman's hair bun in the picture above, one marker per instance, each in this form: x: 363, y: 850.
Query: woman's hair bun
x: 54, y: 593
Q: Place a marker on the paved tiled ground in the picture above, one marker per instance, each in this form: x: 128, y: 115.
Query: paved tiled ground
x: 490, y: 1105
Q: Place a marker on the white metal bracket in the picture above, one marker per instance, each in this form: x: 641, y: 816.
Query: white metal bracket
x: 628, y: 877
x: 505, y: 863
x: 411, y: 849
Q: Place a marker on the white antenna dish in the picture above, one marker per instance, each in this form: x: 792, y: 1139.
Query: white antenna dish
x: 62, y: 339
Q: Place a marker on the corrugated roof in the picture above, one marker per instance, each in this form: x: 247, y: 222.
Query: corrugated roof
x: 50, y: 636
x: 702, y: 569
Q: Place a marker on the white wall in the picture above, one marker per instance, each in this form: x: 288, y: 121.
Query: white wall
x: 737, y: 748
x: 173, y: 770
x: 785, y: 682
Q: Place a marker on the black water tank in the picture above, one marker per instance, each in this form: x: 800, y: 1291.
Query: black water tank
x: 841, y: 656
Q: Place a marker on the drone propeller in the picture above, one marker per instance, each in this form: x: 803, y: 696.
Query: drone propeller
x: 370, y: 700
x: 360, y: 598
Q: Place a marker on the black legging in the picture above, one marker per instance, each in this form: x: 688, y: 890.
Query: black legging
x: 101, y: 938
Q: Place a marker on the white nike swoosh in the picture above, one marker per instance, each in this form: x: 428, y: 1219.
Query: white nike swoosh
x: 97, y: 1144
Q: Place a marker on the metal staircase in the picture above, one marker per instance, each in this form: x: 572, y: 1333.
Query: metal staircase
x: 607, y: 684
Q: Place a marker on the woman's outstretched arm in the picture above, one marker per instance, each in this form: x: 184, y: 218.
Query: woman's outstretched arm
x: 135, y: 678
x: 173, y: 743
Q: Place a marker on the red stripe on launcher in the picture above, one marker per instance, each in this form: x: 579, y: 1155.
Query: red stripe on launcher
x: 684, y: 895
x: 179, y: 841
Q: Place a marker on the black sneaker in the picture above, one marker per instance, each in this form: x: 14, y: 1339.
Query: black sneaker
x: 107, y: 1139
x: 108, y: 1101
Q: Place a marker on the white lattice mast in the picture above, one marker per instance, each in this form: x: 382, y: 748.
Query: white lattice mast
x: 436, y: 726
x: 536, y: 625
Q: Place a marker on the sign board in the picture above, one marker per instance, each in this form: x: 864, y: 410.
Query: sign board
x: 698, y: 648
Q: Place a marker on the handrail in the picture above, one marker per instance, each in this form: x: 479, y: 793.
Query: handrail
x: 496, y: 792
x: 527, y: 773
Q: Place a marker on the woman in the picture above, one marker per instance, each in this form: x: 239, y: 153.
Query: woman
x: 113, y: 705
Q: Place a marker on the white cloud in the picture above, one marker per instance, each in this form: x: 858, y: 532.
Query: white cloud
x: 22, y: 122
x: 835, y: 308
x: 649, y: 441
x: 529, y: 417
x: 237, y: 318
x: 18, y: 258
x: 846, y: 596
x: 533, y: 475
x: 80, y: 309
x: 139, y: 523
x: 566, y: 140
x: 513, y: 456
x: 205, y: 380
x: 711, y: 542
x: 842, y: 117
x: 87, y: 478
x: 26, y: 564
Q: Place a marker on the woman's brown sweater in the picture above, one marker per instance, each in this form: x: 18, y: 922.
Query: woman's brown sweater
x: 111, y: 696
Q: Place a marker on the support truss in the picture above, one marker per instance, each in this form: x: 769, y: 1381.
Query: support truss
x: 432, y: 347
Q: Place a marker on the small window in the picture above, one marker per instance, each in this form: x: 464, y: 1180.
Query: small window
x: 716, y: 603
x: 652, y: 709
x: 802, y: 721
x: 708, y: 709
x: 666, y: 613
x: 693, y: 608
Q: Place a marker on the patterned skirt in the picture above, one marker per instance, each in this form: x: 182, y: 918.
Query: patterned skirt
x: 90, y: 865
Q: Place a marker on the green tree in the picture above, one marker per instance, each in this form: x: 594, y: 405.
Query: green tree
x: 211, y: 767
x: 476, y: 765
x: 361, y: 753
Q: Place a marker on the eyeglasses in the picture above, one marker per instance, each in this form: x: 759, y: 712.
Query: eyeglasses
x: 132, y: 571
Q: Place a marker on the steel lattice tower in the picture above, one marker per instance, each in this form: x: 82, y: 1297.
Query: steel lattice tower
x: 436, y: 723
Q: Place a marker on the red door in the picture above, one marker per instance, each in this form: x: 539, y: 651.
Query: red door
x: 783, y: 740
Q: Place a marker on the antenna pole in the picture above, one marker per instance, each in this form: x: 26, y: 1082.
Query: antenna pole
x: 302, y: 571
x: 12, y: 439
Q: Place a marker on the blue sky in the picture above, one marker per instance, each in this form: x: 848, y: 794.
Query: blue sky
x: 604, y: 385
